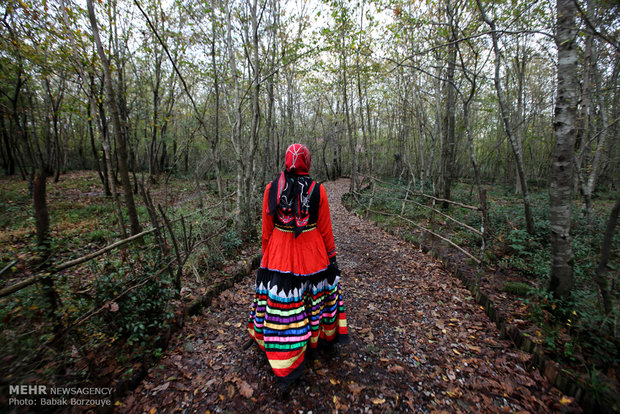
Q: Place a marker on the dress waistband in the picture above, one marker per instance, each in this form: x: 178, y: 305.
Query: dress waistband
x: 290, y: 229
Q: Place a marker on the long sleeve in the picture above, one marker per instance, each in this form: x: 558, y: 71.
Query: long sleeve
x: 324, y: 224
x: 267, y: 219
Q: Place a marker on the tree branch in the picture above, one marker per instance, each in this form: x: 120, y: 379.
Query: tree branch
x: 584, y: 16
x: 176, y: 69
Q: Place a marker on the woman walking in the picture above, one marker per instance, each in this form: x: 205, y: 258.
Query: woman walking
x: 297, y: 305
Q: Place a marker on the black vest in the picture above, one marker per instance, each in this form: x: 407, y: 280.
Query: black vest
x: 286, y: 198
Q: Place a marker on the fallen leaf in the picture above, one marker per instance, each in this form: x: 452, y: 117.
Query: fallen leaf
x: 162, y: 387
x: 128, y: 403
x: 395, y: 369
x: 169, y: 399
x: 377, y: 400
x: 474, y: 348
x: 451, y: 374
x: 356, y: 388
x: 245, y: 389
x: 454, y: 392
x: 182, y: 387
x: 339, y: 405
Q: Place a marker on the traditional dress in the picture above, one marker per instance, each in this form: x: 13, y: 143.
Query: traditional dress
x: 298, y: 304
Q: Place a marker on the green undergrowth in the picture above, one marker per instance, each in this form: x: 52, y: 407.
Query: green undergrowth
x: 576, y: 331
x: 114, y: 311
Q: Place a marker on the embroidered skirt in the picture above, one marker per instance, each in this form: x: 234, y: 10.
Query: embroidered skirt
x: 293, y: 315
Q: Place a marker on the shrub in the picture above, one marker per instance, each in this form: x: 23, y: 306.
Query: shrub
x: 138, y: 313
x: 517, y: 288
x: 230, y: 243
x: 97, y: 236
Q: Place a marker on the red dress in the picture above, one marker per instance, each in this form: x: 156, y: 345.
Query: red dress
x: 298, y: 303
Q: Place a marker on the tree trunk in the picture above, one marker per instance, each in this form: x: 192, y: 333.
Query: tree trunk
x: 112, y: 182
x: 520, y: 65
x: 472, y: 155
x: 216, y: 85
x: 368, y: 147
x: 447, y: 151
x: 91, y: 133
x: 39, y: 203
x: 350, y: 135
x: 335, y: 161
x: 590, y: 185
x: 43, y: 224
x: 508, y: 127
x: 116, y: 123
x: 603, y: 283
x: 560, y: 189
x: 360, y: 97
x: 241, y: 157
x: 582, y: 122
x: 438, y: 129
x: 9, y: 165
x: 250, y: 181
x: 271, y: 156
x: 153, y: 170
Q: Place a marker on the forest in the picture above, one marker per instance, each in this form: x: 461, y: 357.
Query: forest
x: 137, y: 137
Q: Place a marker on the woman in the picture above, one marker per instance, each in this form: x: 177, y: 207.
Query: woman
x: 297, y: 306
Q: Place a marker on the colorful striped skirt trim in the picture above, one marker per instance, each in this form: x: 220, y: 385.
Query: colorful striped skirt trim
x: 294, y: 314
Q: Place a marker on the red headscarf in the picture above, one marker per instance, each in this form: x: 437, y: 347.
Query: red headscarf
x: 291, y: 191
x: 297, y: 159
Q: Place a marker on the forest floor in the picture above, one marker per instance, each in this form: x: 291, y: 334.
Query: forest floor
x: 419, y: 343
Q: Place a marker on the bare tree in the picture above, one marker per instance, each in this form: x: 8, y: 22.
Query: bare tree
x: 508, y: 125
x: 116, y: 124
x: 449, y: 139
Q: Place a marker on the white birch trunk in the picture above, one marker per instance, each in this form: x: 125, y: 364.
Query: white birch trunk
x: 560, y: 189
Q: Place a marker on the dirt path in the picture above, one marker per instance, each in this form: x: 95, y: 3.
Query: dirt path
x: 419, y: 344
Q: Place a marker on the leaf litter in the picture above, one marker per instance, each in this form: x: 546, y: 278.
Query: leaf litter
x: 418, y: 344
